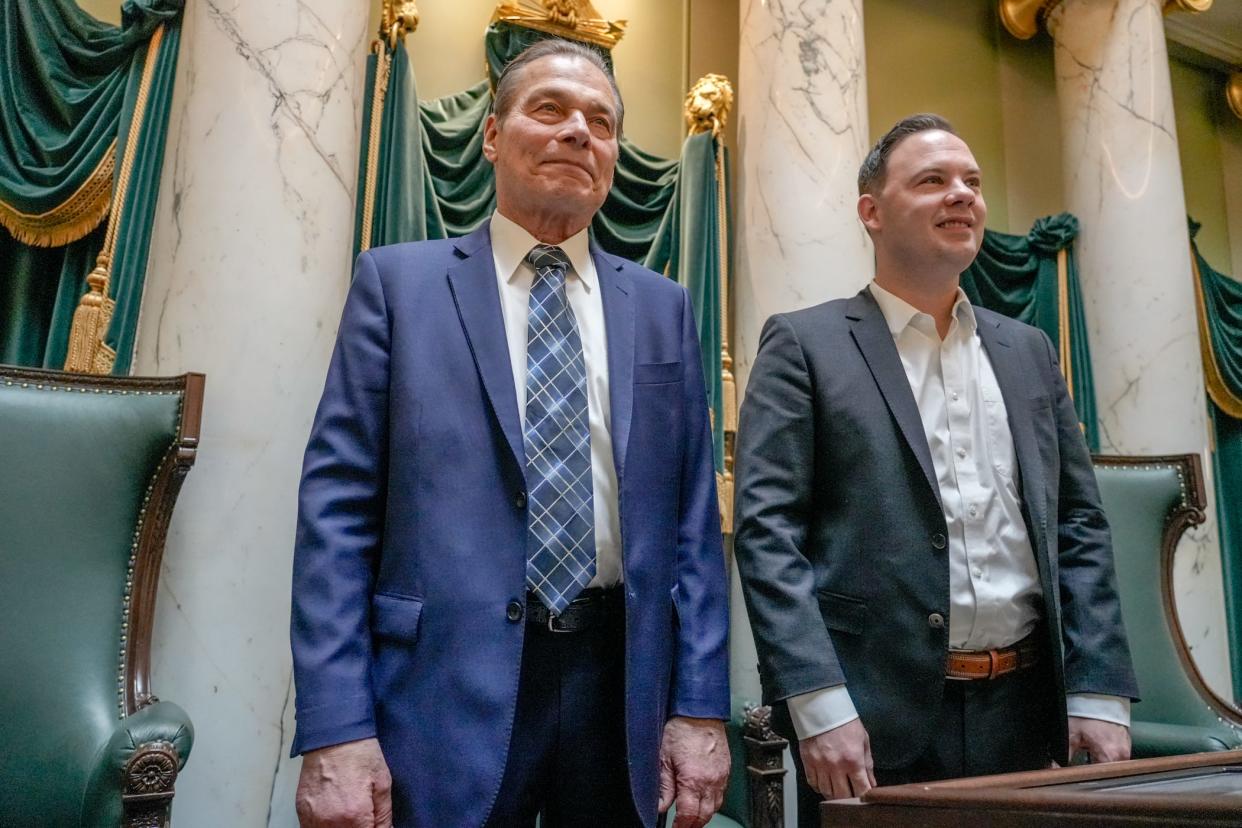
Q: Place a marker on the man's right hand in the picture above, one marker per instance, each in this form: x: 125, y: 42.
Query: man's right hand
x: 838, y: 762
x: 345, y: 786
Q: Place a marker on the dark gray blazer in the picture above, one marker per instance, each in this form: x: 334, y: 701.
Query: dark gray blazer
x: 841, y: 538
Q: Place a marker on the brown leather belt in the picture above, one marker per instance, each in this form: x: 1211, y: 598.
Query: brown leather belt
x: 990, y: 664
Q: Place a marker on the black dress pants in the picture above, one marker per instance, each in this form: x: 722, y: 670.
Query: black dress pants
x: 992, y: 726
x: 567, y: 760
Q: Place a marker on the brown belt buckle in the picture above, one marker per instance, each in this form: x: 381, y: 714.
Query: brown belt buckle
x: 993, y: 663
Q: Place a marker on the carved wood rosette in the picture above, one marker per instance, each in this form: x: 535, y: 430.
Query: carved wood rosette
x: 147, y: 793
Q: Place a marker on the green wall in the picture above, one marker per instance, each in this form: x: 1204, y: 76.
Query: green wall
x: 108, y: 11
x: 1201, y: 113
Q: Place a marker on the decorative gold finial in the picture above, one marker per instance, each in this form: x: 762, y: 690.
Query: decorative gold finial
x: 1021, y: 17
x: 1192, y: 6
x: 1233, y: 93
x: 574, y: 19
x: 708, y: 103
x: 399, y: 18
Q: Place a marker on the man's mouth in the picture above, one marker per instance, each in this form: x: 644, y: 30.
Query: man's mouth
x: 956, y: 224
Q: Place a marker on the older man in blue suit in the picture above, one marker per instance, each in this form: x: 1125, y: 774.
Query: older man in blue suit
x: 509, y: 596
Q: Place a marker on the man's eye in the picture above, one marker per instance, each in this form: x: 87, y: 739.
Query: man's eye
x: 931, y: 179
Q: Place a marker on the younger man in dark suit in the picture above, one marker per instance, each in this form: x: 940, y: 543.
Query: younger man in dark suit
x: 926, y: 564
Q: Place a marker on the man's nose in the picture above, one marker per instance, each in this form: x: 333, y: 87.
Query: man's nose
x: 961, y: 193
x: 575, y: 128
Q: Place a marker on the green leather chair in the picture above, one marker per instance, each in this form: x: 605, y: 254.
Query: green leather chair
x: 89, y: 470
x: 1150, y: 503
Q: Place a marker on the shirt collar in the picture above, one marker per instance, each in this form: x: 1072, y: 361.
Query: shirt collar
x: 900, y: 314
x: 511, y: 242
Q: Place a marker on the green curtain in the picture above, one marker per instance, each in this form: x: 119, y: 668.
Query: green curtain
x: 430, y: 180
x: 1019, y: 277
x: 68, y: 95
x: 1220, y: 319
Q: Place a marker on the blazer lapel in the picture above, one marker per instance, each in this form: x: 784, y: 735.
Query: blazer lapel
x: 617, y: 295
x: 1012, y: 376
x: 473, y: 283
x: 874, y: 339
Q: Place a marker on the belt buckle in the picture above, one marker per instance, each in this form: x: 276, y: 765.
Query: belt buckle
x: 554, y: 624
x: 993, y: 663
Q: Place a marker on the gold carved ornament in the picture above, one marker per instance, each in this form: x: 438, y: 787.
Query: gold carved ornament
x: 1233, y: 93
x: 573, y: 19
x: 706, y: 109
x: 88, y: 353
x: 1021, y: 17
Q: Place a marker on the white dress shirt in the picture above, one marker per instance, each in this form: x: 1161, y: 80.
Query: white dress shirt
x: 994, y: 590
x: 510, y: 244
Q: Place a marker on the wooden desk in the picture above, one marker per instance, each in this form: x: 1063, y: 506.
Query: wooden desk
x: 1200, y: 789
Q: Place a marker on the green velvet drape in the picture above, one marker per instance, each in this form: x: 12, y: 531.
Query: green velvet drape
x: 1220, y: 300
x: 67, y: 92
x: 431, y: 181
x: 1018, y: 276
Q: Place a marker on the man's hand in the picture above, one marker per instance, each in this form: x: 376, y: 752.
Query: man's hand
x: 1102, y: 741
x: 345, y: 786
x: 694, y: 769
x: 838, y: 762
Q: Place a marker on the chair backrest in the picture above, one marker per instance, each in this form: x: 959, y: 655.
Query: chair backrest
x: 89, y: 470
x: 1150, y: 503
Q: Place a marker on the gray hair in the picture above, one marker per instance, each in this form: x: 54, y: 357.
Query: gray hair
x: 510, y: 77
x: 875, y: 165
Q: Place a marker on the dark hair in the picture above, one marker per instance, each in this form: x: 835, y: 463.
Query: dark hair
x: 510, y: 76
x: 875, y: 165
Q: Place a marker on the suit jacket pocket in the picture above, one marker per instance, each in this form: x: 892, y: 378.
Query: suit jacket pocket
x: 653, y: 373
x: 843, y: 613
x: 395, y: 616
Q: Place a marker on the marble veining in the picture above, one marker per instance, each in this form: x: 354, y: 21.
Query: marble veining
x: 249, y: 267
x: 802, y: 130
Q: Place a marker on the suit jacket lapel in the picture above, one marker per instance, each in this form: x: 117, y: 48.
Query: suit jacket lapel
x: 617, y: 295
x: 473, y: 283
x: 1012, y: 375
x: 874, y: 339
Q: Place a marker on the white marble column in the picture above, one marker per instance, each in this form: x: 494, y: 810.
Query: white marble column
x: 249, y: 267
x: 1123, y: 180
x: 802, y: 134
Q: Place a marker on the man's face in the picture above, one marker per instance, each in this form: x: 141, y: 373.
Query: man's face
x: 554, y: 151
x: 930, y: 212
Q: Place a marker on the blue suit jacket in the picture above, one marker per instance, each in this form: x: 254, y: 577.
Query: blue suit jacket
x: 411, y: 538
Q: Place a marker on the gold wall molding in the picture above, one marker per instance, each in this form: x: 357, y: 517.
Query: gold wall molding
x: 574, y: 19
x: 1233, y: 93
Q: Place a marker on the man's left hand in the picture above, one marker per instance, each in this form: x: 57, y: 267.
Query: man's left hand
x: 694, y: 769
x: 1102, y: 741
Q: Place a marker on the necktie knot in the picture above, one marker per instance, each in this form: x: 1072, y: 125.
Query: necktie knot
x: 545, y: 256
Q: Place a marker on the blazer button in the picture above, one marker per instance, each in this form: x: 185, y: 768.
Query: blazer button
x: 519, y: 500
x: 939, y: 541
x: 935, y: 621
x: 514, y: 611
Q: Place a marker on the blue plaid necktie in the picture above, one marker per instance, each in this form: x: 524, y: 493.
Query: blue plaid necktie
x: 560, y: 546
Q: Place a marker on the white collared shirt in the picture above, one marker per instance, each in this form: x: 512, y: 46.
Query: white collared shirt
x: 510, y: 244
x: 994, y: 589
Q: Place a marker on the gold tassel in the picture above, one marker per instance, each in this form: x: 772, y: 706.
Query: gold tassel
x: 87, y: 351
x: 724, y: 496
x: 728, y: 392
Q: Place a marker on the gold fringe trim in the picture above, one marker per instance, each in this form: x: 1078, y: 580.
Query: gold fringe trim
x: 1063, y: 320
x: 728, y: 385
x: 71, y: 220
x: 383, y: 66
x: 88, y: 353
x: 1225, y: 400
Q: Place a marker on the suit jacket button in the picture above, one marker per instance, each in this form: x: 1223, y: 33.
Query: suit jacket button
x: 935, y: 621
x: 519, y: 500
x: 939, y: 541
x: 514, y: 611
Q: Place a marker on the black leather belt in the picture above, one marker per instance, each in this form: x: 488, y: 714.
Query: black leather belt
x: 592, y: 608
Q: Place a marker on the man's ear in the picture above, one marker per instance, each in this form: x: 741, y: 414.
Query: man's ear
x: 489, y: 138
x: 869, y: 212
